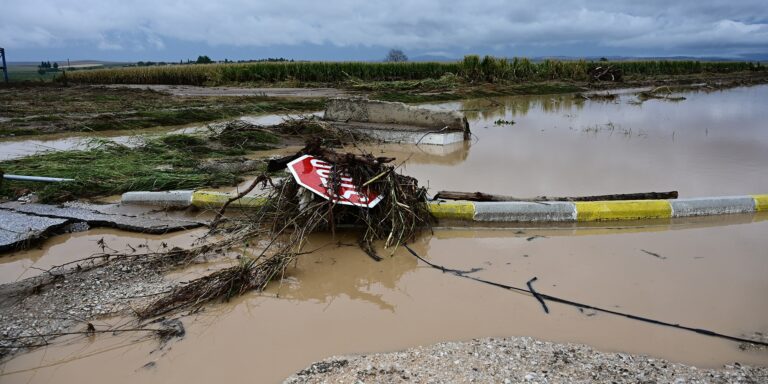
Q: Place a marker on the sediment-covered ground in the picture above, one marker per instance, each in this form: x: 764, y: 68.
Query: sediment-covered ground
x: 515, y: 360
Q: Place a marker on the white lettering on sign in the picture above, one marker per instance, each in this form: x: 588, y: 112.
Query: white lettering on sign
x: 319, y: 164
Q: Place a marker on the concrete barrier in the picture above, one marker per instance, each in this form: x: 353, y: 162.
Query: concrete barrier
x: 362, y: 110
x: 513, y: 211
x: 600, y: 210
x: 164, y: 198
x: 202, y: 199
x: 507, y: 211
x: 713, y: 206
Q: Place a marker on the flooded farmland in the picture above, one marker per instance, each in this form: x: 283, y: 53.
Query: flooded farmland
x: 704, y: 272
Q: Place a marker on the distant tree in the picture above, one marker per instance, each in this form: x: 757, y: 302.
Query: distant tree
x: 396, y: 56
x: 44, y: 67
x: 603, y: 59
x: 56, y: 66
x: 203, y: 60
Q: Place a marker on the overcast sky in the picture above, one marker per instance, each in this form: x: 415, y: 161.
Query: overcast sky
x: 126, y: 30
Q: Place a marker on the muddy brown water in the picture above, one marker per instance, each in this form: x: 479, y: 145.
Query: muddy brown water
x: 64, y: 249
x: 707, y: 145
x: 703, y: 272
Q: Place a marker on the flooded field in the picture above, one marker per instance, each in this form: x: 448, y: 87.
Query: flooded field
x: 710, y: 144
x: 704, y: 272
x: 25, y: 146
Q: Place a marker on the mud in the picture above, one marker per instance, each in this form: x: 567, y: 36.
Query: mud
x: 24, y: 146
x: 74, y: 246
x: 190, y: 90
x: 702, y: 272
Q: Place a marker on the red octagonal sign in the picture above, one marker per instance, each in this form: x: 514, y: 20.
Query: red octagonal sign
x: 312, y: 173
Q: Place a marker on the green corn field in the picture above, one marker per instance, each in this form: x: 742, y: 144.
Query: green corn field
x: 472, y: 68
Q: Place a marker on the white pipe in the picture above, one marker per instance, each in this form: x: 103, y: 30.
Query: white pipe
x: 36, y: 178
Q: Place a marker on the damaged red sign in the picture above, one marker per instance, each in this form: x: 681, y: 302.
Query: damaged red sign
x: 312, y: 173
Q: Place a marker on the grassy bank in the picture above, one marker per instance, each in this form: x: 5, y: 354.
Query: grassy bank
x: 41, y: 109
x: 472, y: 68
x: 168, y: 162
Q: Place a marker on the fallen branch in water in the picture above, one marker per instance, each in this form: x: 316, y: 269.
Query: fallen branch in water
x: 480, y: 196
x: 278, y: 230
x: 656, y: 93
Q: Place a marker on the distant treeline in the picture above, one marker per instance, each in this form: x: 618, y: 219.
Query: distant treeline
x: 472, y: 68
x: 205, y: 60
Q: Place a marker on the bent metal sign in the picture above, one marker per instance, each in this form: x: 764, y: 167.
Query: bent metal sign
x: 312, y: 173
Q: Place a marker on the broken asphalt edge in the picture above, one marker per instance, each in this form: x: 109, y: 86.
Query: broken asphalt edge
x: 512, y: 211
x: 22, y: 225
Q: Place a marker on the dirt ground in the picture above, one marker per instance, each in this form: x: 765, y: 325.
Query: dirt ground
x: 191, y: 90
x: 53, y: 108
x: 31, y: 109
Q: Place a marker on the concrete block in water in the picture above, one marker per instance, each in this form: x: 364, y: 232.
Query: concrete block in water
x: 362, y: 110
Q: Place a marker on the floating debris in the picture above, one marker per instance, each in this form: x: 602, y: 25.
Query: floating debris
x: 280, y: 227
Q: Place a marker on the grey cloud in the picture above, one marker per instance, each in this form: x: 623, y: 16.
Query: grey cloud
x: 427, y: 25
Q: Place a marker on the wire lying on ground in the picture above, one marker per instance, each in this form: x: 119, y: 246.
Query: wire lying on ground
x: 541, y: 297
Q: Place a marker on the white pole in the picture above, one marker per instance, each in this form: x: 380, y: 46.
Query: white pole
x: 36, y: 178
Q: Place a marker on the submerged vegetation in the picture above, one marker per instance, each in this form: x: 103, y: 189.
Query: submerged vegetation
x: 472, y: 68
x: 107, y: 168
x: 173, y: 161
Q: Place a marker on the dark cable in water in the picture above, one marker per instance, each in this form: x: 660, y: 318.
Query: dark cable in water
x: 541, y: 297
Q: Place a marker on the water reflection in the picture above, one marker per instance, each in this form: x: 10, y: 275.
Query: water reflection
x: 713, y: 143
x: 340, y: 268
x: 513, y: 106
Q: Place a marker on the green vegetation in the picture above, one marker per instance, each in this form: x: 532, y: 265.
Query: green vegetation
x: 203, y: 60
x: 472, y: 68
x: 168, y: 162
x: 426, y: 91
x: 21, y: 73
x: 49, y: 108
x: 503, y: 122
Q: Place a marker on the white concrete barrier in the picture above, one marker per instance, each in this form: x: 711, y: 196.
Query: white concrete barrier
x: 163, y: 199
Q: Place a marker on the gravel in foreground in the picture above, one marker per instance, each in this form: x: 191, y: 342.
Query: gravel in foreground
x: 515, y: 360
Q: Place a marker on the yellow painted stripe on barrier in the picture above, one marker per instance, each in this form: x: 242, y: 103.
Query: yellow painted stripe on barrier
x: 202, y: 199
x: 761, y: 202
x: 622, y: 210
x: 454, y: 210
